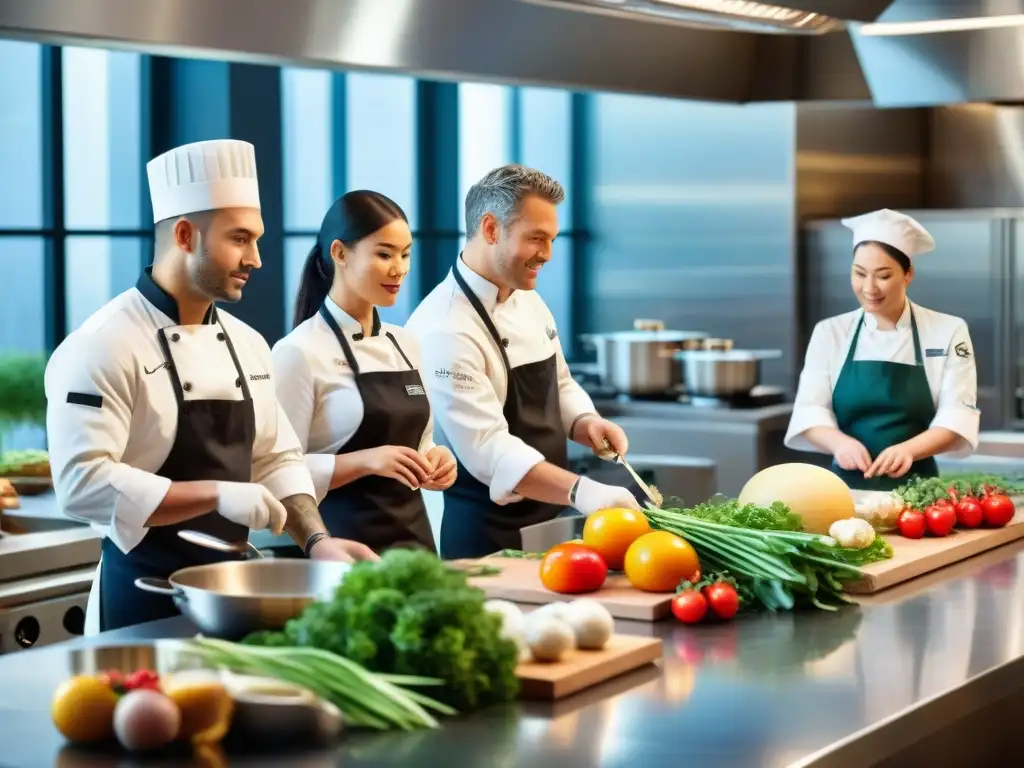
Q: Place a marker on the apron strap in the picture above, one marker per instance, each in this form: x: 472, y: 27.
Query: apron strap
x: 400, y: 351
x: 238, y: 366
x: 345, y: 347
x: 479, y: 307
x: 918, y: 360
x: 853, y: 343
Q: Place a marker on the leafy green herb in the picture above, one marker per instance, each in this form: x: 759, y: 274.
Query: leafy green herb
x: 22, y: 395
x: 411, y: 614
x: 920, y: 492
x: 777, y: 517
x: 518, y: 554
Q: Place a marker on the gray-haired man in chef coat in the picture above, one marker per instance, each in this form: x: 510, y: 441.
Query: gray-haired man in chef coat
x: 161, y: 411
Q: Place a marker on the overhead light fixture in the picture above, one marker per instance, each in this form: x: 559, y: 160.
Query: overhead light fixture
x: 938, y: 26
x: 742, y: 11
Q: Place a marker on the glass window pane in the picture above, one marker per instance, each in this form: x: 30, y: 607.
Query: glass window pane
x: 546, y: 138
x: 485, y: 139
x: 381, y: 136
x: 23, y: 306
x: 102, y: 139
x: 98, y: 269
x: 307, y: 107
x: 296, y: 249
x: 21, y: 135
x: 555, y: 287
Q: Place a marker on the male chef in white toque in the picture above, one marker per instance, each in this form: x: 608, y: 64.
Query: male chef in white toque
x: 499, y: 385
x: 161, y: 412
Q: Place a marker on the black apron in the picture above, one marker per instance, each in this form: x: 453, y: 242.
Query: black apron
x: 472, y: 524
x: 379, y: 511
x: 213, y: 441
x: 882, y: 404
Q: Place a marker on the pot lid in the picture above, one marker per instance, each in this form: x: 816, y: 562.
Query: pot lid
x: 670, y: 336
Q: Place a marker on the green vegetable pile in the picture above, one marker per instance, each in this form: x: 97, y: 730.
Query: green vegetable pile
x: 773, y: 563
x: 12, y: 463
x: 920, y: 492
x: 365, y: 699
x: 411, y: 614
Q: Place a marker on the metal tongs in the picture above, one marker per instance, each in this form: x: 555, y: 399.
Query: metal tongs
x: 610, y: 455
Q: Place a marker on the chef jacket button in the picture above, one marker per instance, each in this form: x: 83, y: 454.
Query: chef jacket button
x: 238, y: 382
x: 221, y: 337
x: 175, y: 337
x: 187, y: 387
x: 504, y: 343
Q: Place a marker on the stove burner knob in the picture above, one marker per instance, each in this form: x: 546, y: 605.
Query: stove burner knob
x: 26, y: 633
x: 74, y: 621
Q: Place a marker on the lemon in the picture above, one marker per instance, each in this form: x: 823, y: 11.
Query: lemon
x: 83, y: 709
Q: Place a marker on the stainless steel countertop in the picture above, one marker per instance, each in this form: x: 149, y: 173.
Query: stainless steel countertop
x: 814, y: 688
x: 683, y: 412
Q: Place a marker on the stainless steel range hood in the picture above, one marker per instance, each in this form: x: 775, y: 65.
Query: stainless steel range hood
x: 688, y: 50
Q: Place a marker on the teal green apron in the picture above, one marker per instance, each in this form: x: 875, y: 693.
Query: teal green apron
x: 882, y: 404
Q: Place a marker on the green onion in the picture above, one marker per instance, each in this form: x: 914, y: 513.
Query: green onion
x: 365, y: 698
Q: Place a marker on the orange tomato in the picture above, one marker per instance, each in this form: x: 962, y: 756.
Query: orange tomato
x: 572, y: 568
x: 658, y: 561
x: 609, y: 532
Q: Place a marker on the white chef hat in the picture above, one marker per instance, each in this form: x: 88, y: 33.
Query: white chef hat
x: 892, y: 228
x: 203, y: 176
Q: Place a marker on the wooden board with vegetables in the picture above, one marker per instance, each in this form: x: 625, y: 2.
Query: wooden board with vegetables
x: 519, y: 581
x: 936, y: 522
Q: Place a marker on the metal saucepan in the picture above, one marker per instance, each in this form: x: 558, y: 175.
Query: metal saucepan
x: 720, y: 373
x: 231, y: 599
x: 639, y: 362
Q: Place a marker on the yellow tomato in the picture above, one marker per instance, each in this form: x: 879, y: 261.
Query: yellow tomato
x: 658, y: 561
x: 83, y: 709
x: 609, y: 532
x: 205, y: 704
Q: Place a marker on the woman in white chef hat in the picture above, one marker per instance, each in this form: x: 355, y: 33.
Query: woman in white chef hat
x: 889, y: 386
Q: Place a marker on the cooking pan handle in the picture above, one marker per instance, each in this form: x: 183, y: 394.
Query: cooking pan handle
x: 158, y: 587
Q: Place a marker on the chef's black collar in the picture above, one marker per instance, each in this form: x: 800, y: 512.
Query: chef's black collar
x: 166, y: 303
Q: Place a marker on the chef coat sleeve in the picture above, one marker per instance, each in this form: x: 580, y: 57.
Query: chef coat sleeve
x: 573, y: 400
x: 957, y: 408
x: 468, y: 410
x: 813, y: 404
x: 277, y: 458
x: 90, y: 385
x: 297, y: 394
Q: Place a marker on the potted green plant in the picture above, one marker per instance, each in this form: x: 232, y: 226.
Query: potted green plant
x: 23, y: 400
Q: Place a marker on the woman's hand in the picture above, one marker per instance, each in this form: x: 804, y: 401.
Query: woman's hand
x: 409, y: 467
x: 444, y: 469
x: 894, y: 461
x: 850, y: 454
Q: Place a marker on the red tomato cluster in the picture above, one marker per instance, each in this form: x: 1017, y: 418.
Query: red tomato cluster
x: 691, y: 606
x: 122, y: 683
x: 994, y: 510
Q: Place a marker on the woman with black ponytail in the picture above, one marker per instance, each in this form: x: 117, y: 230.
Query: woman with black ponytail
x: 351, y: 387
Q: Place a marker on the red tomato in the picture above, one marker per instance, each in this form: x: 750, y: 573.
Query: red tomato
x: 953, y: 495
x: 997, y: 509
x: 723, y: 600
x: 940, y: 519
x: 572, y: 568
x: 911, y: 523
x: 689, y: 607
x: 944, y: 503
x: 968, y: 512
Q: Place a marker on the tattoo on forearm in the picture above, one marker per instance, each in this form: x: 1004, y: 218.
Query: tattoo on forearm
x: 303, y: 518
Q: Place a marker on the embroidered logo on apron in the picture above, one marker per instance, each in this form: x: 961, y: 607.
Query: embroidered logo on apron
x: 414, y: 389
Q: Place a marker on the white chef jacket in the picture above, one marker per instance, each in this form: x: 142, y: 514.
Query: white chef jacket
x: 104, y: 458
x: 317, y: 388
x: 948, y: 363
x: 467, y: 381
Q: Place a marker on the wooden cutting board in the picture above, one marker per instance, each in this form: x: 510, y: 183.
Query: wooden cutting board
x: 519, y: 581
x: 582, y: 669
x: 915, y: 557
